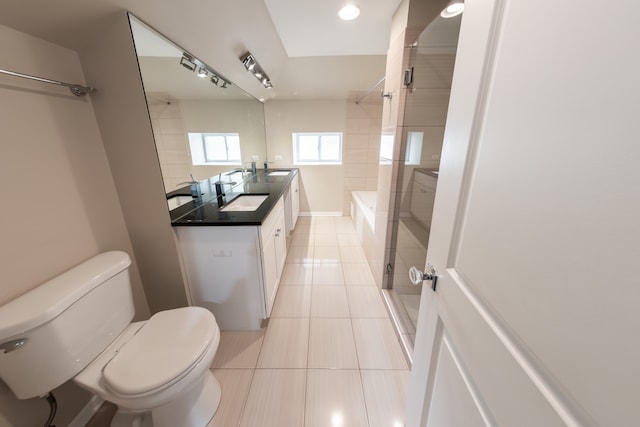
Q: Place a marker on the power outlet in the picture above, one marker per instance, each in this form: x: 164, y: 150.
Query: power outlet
x: 222, y: 253
x: 277, y: 157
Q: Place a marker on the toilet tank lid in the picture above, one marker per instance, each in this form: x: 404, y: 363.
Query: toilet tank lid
x: 47, y: 301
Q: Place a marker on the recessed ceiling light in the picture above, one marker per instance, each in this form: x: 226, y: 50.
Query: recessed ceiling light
x: 454, y: 8
x: 349, y: 12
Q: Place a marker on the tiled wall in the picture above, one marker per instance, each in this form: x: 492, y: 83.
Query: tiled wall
x: 361, y: 145
x: 376, y: 247
x: 426, y: 107
x: 360, y: 124
x: 170, y: 136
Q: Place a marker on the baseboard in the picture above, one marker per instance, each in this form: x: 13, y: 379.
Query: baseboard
x: 87, y: 412
x: 320, y: 214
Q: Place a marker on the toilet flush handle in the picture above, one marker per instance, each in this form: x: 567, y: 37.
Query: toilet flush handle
x: 10, y: 346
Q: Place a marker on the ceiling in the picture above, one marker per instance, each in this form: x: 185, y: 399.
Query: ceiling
x: 312, y: 28
x: 306, y: 50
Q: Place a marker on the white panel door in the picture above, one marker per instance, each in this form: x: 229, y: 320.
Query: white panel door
x: 536, y: 230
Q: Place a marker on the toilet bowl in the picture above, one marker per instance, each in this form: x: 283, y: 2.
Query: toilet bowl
x: 76, y: 326
x: 159, y: 368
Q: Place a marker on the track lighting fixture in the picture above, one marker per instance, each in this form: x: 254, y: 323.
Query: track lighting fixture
x: 202, y: 73
x: 191, y: 64
x: 254, y: 68
x: 187, y: 62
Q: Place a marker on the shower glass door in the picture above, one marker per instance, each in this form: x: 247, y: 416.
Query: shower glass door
x: 432, y: 62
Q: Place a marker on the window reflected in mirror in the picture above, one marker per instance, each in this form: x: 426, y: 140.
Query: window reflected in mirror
x: 186, y: 96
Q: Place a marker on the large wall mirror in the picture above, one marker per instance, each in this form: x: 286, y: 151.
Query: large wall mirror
x: 203, y: 124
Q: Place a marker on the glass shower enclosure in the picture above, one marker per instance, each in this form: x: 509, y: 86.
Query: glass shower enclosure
x: 428, y: 81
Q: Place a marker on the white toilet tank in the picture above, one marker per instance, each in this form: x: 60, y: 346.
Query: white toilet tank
x: 52, y: 332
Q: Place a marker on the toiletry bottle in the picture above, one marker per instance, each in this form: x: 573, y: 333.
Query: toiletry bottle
x: 265, y: 166
x: 253, y: 167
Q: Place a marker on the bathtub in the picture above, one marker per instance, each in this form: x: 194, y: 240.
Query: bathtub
x: 363, y: 210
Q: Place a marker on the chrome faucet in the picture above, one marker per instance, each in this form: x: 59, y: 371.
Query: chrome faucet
x: 194, y: 187
x: 253, y: 167
x: 219, y: 193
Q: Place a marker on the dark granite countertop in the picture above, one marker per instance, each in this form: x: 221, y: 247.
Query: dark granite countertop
x: 208, y: 212
x: 428, y: 171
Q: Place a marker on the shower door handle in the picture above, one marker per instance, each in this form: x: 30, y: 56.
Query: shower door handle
x: 417, y: 276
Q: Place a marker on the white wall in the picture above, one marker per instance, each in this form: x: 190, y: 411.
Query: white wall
x: 59, y: 203
x: 327, y: 189
x: 321, y: 186
x: 227, y: 116
x: 127, y: 137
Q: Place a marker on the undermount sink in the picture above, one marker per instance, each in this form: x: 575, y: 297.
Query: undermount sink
x: 279, y: 173
x: 178, y: 201
x: 245, y: 202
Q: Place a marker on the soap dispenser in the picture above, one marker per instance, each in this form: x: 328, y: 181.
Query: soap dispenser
x: 253, y: 167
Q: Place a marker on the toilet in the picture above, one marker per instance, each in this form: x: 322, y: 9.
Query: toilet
x: 77, y: 326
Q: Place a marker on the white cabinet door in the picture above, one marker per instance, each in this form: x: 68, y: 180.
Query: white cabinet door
x: 224, y: 275
x: 536, y: 230
x: 274, y: 252
x: 280, y: 245
x: 295, y: 200
x: 270, y: 272
x: 422, y: 198
x: 274, y: 255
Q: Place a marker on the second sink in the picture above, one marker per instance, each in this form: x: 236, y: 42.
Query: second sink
x: 245, y: 202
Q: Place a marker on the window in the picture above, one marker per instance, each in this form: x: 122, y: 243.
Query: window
x: 317, y: 148
x: 413, y: 154
x: 215, y: 148
x: 386, y: 148
x: 414, y: 148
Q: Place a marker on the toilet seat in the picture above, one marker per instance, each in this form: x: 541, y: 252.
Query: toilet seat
x: 149, y: 363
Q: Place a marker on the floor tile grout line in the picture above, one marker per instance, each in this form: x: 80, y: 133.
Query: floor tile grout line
x: 307, y: 369
x: 246, y: 398
x: 251, y: 382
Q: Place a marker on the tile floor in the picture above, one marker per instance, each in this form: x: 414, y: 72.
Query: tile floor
x: 329, y: 355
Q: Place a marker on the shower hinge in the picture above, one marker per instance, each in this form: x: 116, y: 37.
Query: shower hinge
x: 389, y: 268
x: 408, y: 76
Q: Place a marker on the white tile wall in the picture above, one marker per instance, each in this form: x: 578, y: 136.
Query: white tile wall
x: 171, y: 140
x: 361, y: 145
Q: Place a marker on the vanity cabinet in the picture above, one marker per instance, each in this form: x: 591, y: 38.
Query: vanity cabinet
x: 423, y: 197
x: 234, y: 271
x: 295, y: 201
